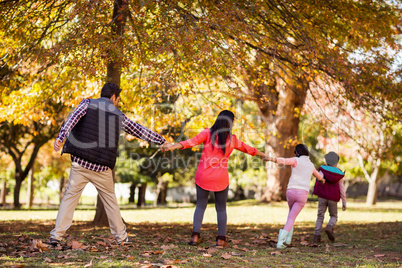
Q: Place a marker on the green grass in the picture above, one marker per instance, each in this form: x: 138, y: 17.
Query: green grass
x: 366, y: 237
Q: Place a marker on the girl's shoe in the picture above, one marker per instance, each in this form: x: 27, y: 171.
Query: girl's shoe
x: 195, y: 239
x: 283, y: 234
x: 288, y: 240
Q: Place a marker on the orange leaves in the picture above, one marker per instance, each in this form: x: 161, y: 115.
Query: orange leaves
x: 39, y: 245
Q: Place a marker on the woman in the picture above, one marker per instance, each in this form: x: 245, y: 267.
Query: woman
x: 212, y: 173
x: 298, y: 188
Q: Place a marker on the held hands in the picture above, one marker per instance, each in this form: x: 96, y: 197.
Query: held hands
x: 170, y: 147
x: 166, y: 147
x: 57, y: 145
x: 269, y: 158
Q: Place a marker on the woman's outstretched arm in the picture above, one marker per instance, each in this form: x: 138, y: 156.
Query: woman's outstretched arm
x: 171, y: 147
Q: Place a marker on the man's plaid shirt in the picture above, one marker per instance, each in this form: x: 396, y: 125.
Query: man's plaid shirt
x: 127, y: 125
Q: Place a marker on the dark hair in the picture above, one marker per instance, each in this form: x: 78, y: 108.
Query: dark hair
x: 110, y: 89
x: 301, y: 149
x: 222, y: 129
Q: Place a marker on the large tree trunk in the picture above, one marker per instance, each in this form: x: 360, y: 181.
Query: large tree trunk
x: 17, y: 189
x: 161, y: 191
x: 3, y: 193
x: 100, y: 218
x: 373, y: 179
x: 161, y: 200
x: 141, y: 194
x: 372, y: 193
x: 62, y: 188
x: 281, y: 135
x: 131, y: 198
x: 113, y: 75
x: 30, y: 190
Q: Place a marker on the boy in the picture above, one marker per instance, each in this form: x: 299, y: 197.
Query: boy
x: 329, y: 195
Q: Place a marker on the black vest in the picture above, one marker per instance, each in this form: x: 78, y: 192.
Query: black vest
x: 95, y: 137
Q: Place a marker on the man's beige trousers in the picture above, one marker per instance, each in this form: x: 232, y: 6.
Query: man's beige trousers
x: 103, y: 181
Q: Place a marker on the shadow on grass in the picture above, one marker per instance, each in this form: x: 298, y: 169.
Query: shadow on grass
x: 252, y: 245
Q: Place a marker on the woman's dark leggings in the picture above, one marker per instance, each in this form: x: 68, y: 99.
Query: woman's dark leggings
x: 220, y: 206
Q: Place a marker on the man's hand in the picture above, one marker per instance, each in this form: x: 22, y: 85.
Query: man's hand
x: 57, y: 145
x: 343, y: 207
x: 166, y: 146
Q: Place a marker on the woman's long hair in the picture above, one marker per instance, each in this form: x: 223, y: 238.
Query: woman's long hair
x: 222, y: 129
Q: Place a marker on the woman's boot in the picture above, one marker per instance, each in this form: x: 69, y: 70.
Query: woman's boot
x: 195, y: 239
x: 221, y: 241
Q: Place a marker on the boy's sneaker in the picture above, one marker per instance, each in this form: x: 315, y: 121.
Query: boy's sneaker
x: 53, y: 241
x: 126, y: 241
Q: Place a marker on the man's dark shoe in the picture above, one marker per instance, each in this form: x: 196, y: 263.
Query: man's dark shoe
x: 53, y: 242
x: 329, y: 230
x: 126, y: 241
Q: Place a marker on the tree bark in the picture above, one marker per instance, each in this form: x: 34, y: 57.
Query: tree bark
x: 3, y: 194
x: 113, y: 75
x: 158, y: 189
x: 131, y: 198
x: 141, y: 194
x: 281, y: 135
x: 100, y: 214
x: 372, y: 193
x: 62, y: 188
x: 163, y: 193
x: 17, y: 189
x: 30, y: 190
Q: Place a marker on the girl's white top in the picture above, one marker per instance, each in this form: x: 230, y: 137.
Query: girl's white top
x: 301, y: 174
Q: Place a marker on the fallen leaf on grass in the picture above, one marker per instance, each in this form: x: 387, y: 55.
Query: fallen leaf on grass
x: 169, y: 266
x: 379, y: 255
x: 21, y: 238
x: 102, y: 257
x: 207, y: 255
x: 100, y: 243
x: 39, y: 245
x: 78, y: 245
x: 165, y: 247
x: 235, y: 254
x: 273, y: 253
x: 48, y: 260
x: 235, y: 242
x: 170, y: 262
x: 18, y: 266
x: 62, y: 256
x: 211, y: 250
x: 226, y: 256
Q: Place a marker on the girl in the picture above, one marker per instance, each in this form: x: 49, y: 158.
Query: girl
x: 298, y: 188
x: 212, y: 173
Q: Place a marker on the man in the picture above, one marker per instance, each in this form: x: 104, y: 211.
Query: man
x: 93, y: 131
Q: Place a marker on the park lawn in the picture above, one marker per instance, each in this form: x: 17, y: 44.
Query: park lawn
x: 366, y: 237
